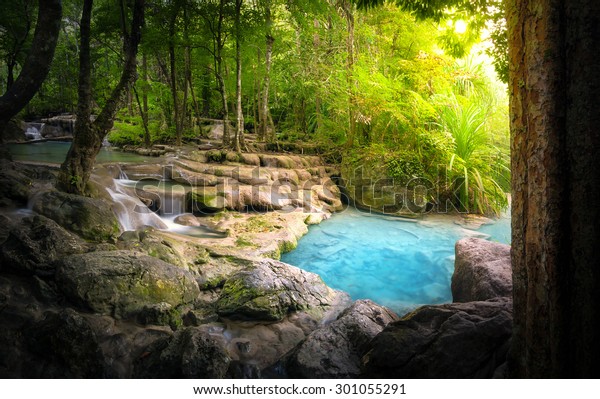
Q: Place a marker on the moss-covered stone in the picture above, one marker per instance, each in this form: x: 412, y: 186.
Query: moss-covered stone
x: 91, y: 218
x: 269, y: 290
x: 123, y: 283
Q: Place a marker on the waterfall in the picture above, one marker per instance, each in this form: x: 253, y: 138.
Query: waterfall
x: 131, y: 211
x: 34, y: 130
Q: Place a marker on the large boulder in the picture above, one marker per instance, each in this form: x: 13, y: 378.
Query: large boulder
x: 190, y: 353
x: 482, y: 270
x: 68, y: 346
x: 15, y: 187
x: 33, y: 244
x: 458, y: 340
x: 124, y: 284
x: 91, y: 218
x: 335, y: 351
x: 269, y: 290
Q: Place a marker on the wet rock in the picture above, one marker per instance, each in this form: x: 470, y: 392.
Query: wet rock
x: 15, y: 187
x: 33, y: 244
x: 15, y: 130
x: 68, y: 346
x: 482, y: 270
x: 269, y: 290
x: 190, y: 353
x: 335, y: 351
x: 123, y: 283
x: 458, y: 340
x: 91, y: 218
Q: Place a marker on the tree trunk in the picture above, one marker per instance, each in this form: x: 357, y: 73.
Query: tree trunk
x: 555, y: 89
x: 36, y: 65
x: 220, y: 43
x: 348, y: 8
x: 264, y: 106
x: 239, y: 114
x: 206, y: 92
x: 173, y: 78
x: 145, y: 117
x: 87, y: 140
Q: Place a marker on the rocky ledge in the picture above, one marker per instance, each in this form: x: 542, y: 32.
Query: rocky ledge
x: 78, y: 298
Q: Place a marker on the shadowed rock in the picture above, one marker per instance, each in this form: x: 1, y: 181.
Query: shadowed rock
x: 190, y: 353
x: 482, y: 270
x: 458, y: 340
x: 335, y: 351
x: 33, y: 244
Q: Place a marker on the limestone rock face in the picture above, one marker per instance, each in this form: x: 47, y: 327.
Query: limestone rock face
x: 190, y: 353
x: 458, y: 340
x: 124, y: 283
x: 91, y: 218
x: 33, y: 244
x: 335, y: 351
x: 269, y: 290
x: 482, y: 270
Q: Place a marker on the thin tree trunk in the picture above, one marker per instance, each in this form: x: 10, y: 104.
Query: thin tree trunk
x: 266, y: 133
x: 206, y: 92
x: 87, y: 140
x: 188, y: 63
x: 173, y: 78
x: 36, y: 65
x: 348, y: 8
x: 145, y: 117
x: 554, y: 92
x: 220, y: 43
x: 239, y: 115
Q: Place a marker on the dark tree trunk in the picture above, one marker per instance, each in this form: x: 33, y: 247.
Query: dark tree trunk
x: 87, y: 140
x: 36, y: 65
x: 555, y: 91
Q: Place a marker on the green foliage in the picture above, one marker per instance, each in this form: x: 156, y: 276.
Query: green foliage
x: 477, y: 168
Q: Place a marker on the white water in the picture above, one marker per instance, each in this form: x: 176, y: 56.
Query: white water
x: 34, y: 131
x: 133, y: 214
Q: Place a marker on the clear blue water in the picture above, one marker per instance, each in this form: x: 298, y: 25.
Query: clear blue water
x: 56, y: 151
x: 397, y: 263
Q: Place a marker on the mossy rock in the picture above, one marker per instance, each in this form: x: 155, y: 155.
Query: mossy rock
x: 123, y: 283
x: 205, y: 199
x: 215, y: 156
x: 269, y: 290
x: 91, y: 218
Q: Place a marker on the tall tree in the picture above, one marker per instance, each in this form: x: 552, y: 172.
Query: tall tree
x: 238, y: 137
x: 87, y: 141
x: 263, y: 116
x: 554, y: 89
x: 36, y: 65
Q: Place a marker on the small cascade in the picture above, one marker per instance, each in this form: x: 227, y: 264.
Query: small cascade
x: 122, y: 175
x: 139, y: 204
x: 131, y: 211
x: 106, y: 143
x: 34, y: 131
x: 172, y: 203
